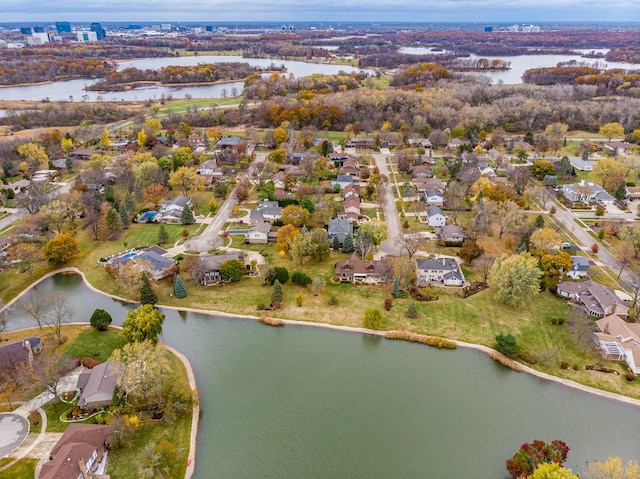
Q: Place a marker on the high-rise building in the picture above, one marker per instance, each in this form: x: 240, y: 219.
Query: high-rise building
x: 26, y: 30
x: 63, y: 27
x: 38, y: 29
x: 100, y: 32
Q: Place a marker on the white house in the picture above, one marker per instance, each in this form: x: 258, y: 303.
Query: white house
x: 435, y: 216
x: 343, y: 181
x: 587, y: 193
x: 443, y: 270
x: 258, y: 233
x: 171, y: 210
x: 207, y: 168
x: 434, y: 197
x: 579, y: 267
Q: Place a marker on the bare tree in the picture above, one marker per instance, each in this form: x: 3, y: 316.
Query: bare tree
x: 483, y: 265
x: 35, y: 305
x: 410, y: 243
x: 581, y: 327
x: 50, y: 371
x: 61, y: 313
x: 4, y: 317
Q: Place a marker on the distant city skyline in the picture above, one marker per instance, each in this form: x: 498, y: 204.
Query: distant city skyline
x: 330, y: 11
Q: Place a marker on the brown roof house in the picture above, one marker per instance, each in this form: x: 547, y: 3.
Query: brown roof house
x: 19, y: 352
x: 356, y: 270
x: 451, y: 234
x: 598, y: 300
x: 79, y: 454
x: 618, y: 339
x: 97, y: 385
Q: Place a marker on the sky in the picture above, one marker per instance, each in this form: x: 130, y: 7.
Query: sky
x: 347, y: 11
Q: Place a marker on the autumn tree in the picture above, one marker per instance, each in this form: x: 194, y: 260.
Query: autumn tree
x: 143, y: 324
x: 552, y: 471
x: 154, y: 193
x: 556, y: 263
x: 61, y: 249
x: 612, y: 468
x: 242, y: 190
x: 509, y: 217
x: 105, y: 141
x: 280, y: 136
x: 232, y: 270
x: 609, y: 173
x: 186, y: 179
x: 631, y: 234
x: 555, y: 134
x: 278, y: 156
x: 377, y: 229
x: 544, y: 240
x: 542, y: 168
x: 483, y: 265
x: 516, y: 278
x: 470, y: 250
x: 531, y: 455
x: 611, y: 130
x: 373, y: 319
x: 286, y: 237
x: 34, y: 155
x: 295, y: 215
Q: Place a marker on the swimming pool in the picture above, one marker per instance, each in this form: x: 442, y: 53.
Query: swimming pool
x: 147, y: 216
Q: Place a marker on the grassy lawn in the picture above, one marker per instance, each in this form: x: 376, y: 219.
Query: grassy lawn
x: 54, y: 410
x: 96, y: 344
x: 23, y: 469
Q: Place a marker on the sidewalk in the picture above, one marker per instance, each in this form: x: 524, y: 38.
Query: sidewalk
x: 67, y: 383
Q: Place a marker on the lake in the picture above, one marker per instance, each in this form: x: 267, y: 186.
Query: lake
x: 75, y: 89
x: 315, y: 403
x: 521, y: 63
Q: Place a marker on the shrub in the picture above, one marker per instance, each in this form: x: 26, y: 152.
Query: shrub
x: 506, y: 344
x: 260, y: 305
x: 373, y: 319
x: 300, y: 278
x: 298, y: 299
x: 332, y: 300
x: 281, y: 274
x: 89, y: 363
x: 271, y: 321
x: 412, y: 311
x: 420, y: 338
x: 100, y: 320
x: 564, y: 365
x: 387, y: 304
x: 553, y: 210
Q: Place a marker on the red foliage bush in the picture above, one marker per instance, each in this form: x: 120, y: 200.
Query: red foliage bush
x: 89, y: 363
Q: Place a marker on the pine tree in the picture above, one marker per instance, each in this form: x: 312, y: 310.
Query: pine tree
x: 277, y: 295
x: 179, y: 289
x: 147, y: 294
x: 395, y: 292
x: 113, y: 223
x: 335, y: 244
x: 186, y: 218
x: 130, y: 203
x: 124, y: 215
x: 412, y: 311
x: 163, y: 236
x: 621, y: 192
x: 347, y: 246
x: 539, y: 221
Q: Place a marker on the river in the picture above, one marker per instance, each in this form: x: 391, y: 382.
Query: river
x: 521, y: 63
x: 75, y: 89
x: 314, y: 403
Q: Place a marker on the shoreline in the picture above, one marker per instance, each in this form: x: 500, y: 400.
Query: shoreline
x: 349, y: 329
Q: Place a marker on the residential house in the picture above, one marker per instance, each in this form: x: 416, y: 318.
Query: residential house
x: 79, y: 454
x: 96, y: 385
x: 455, y: 143
x: 339, y: 228
x: 152, y: 260
x: 356, y: 270
x: 420, y: 143
x: 434, y: 197
x: 344, y: 180
x: 435, y: 216
x: 618, y: 147
x: 171, y: 210
x: 19, y: 352
x: 19, y: 186
x: 451, y: 234
x: 367, y: 143
x: 579, y: 267
x: 352, y: 205
x: 598, y: 300
x: 207, y: 168
x: 339, y: 158
x: 296, y: 158
x: 83, y: 153
x: 352, y: 189
x: 618, y: 340
x: 258, y: 233
x: 633, y: 193
x: 423, y: 184
x: 421, y: 171
x: 211, y: 264
x: 587, y: 193
x: 228, y: 142
x: 444, y: 270
x: 266, y: 210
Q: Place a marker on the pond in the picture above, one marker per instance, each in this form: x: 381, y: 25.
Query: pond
x: 307, y: 402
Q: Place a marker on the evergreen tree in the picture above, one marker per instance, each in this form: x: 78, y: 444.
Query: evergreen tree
x: 347, y: 246
x: 179, y: 289
x: 186, y: 218
x: 539, y: 221
x: 277, y: 295
x: 412, y: 311
x: 113, y: 223
x: 621, y: 192
x: 163, y: 236
x: 395, y: 292
x: 130, y: 203
x: 124, y: 215
x: 335, y: 244
x: 307, y: 204
x: 147, y: 294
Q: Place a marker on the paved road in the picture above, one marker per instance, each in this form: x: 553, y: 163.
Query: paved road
x: 391, y: 216
x: 209, y: 238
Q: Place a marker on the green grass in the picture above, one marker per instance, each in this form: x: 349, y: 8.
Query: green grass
x: 23, y: 469
x: 96, y: 344
x: 54, y: 410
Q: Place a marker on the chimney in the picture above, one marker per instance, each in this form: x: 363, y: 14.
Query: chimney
x: 606, y: 328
